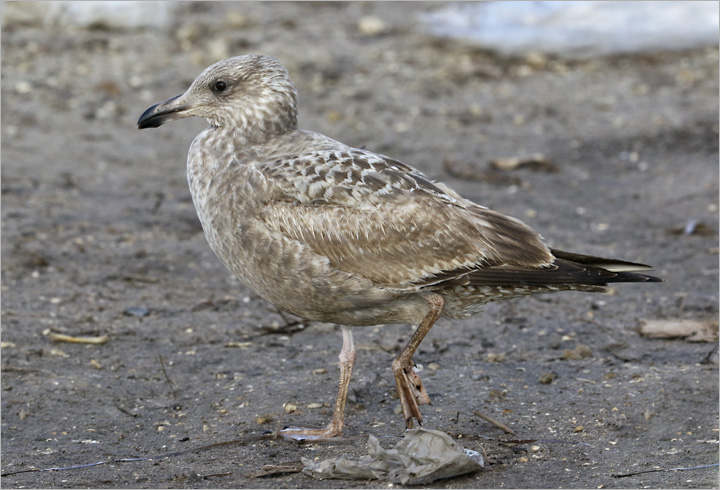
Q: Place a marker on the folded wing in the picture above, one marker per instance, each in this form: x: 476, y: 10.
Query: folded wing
x: 379, y: 218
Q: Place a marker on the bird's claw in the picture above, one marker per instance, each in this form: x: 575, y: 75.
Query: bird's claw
x: 418, y: 390
x: 412, y: 394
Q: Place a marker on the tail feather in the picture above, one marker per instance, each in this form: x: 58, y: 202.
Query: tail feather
x: 613, y: 265
x: 567, y: 269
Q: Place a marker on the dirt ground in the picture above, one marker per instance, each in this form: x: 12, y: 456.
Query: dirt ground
x: 100, y: 238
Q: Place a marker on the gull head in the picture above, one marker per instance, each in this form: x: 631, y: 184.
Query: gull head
x: 251, y: 94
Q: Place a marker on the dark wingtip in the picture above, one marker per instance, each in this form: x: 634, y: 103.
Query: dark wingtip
x: 635, y: 277
x: 624, y: 271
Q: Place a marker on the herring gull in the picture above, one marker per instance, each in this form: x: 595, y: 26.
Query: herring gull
x: 338, y: 234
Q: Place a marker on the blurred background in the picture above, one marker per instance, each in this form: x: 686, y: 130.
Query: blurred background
x: 594, y: 122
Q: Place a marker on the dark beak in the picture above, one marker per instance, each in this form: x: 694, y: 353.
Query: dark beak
x: 163, y: 112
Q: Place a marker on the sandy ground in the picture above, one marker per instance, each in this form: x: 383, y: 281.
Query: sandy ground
x: 100, y: 238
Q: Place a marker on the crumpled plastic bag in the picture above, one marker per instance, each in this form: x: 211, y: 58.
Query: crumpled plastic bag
x: 423, y: 456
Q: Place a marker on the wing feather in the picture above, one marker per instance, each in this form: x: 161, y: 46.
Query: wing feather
x: 379, y: 218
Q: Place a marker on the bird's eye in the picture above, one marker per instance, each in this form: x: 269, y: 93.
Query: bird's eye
x: 219, y: 86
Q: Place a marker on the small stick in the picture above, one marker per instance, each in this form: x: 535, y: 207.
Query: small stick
x: 494, y: 422
x: 623, y: 475
x: 61, y: 337
x: 167, y: 377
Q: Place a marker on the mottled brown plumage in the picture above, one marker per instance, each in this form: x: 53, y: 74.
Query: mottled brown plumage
x: 338, y: 234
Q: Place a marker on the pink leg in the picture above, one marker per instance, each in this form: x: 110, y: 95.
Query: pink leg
x: 347, y: 357
x: 409, y: 386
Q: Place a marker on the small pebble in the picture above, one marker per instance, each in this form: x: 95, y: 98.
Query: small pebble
x: 58, y: 353
x: 372, y: 26
x: 236, y: 20
x: 580, y: 351
x: 494, y: 357
x: 139, y: 311
x: 189, y: 32
x: 23, y: 87
x: 497, y: 395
